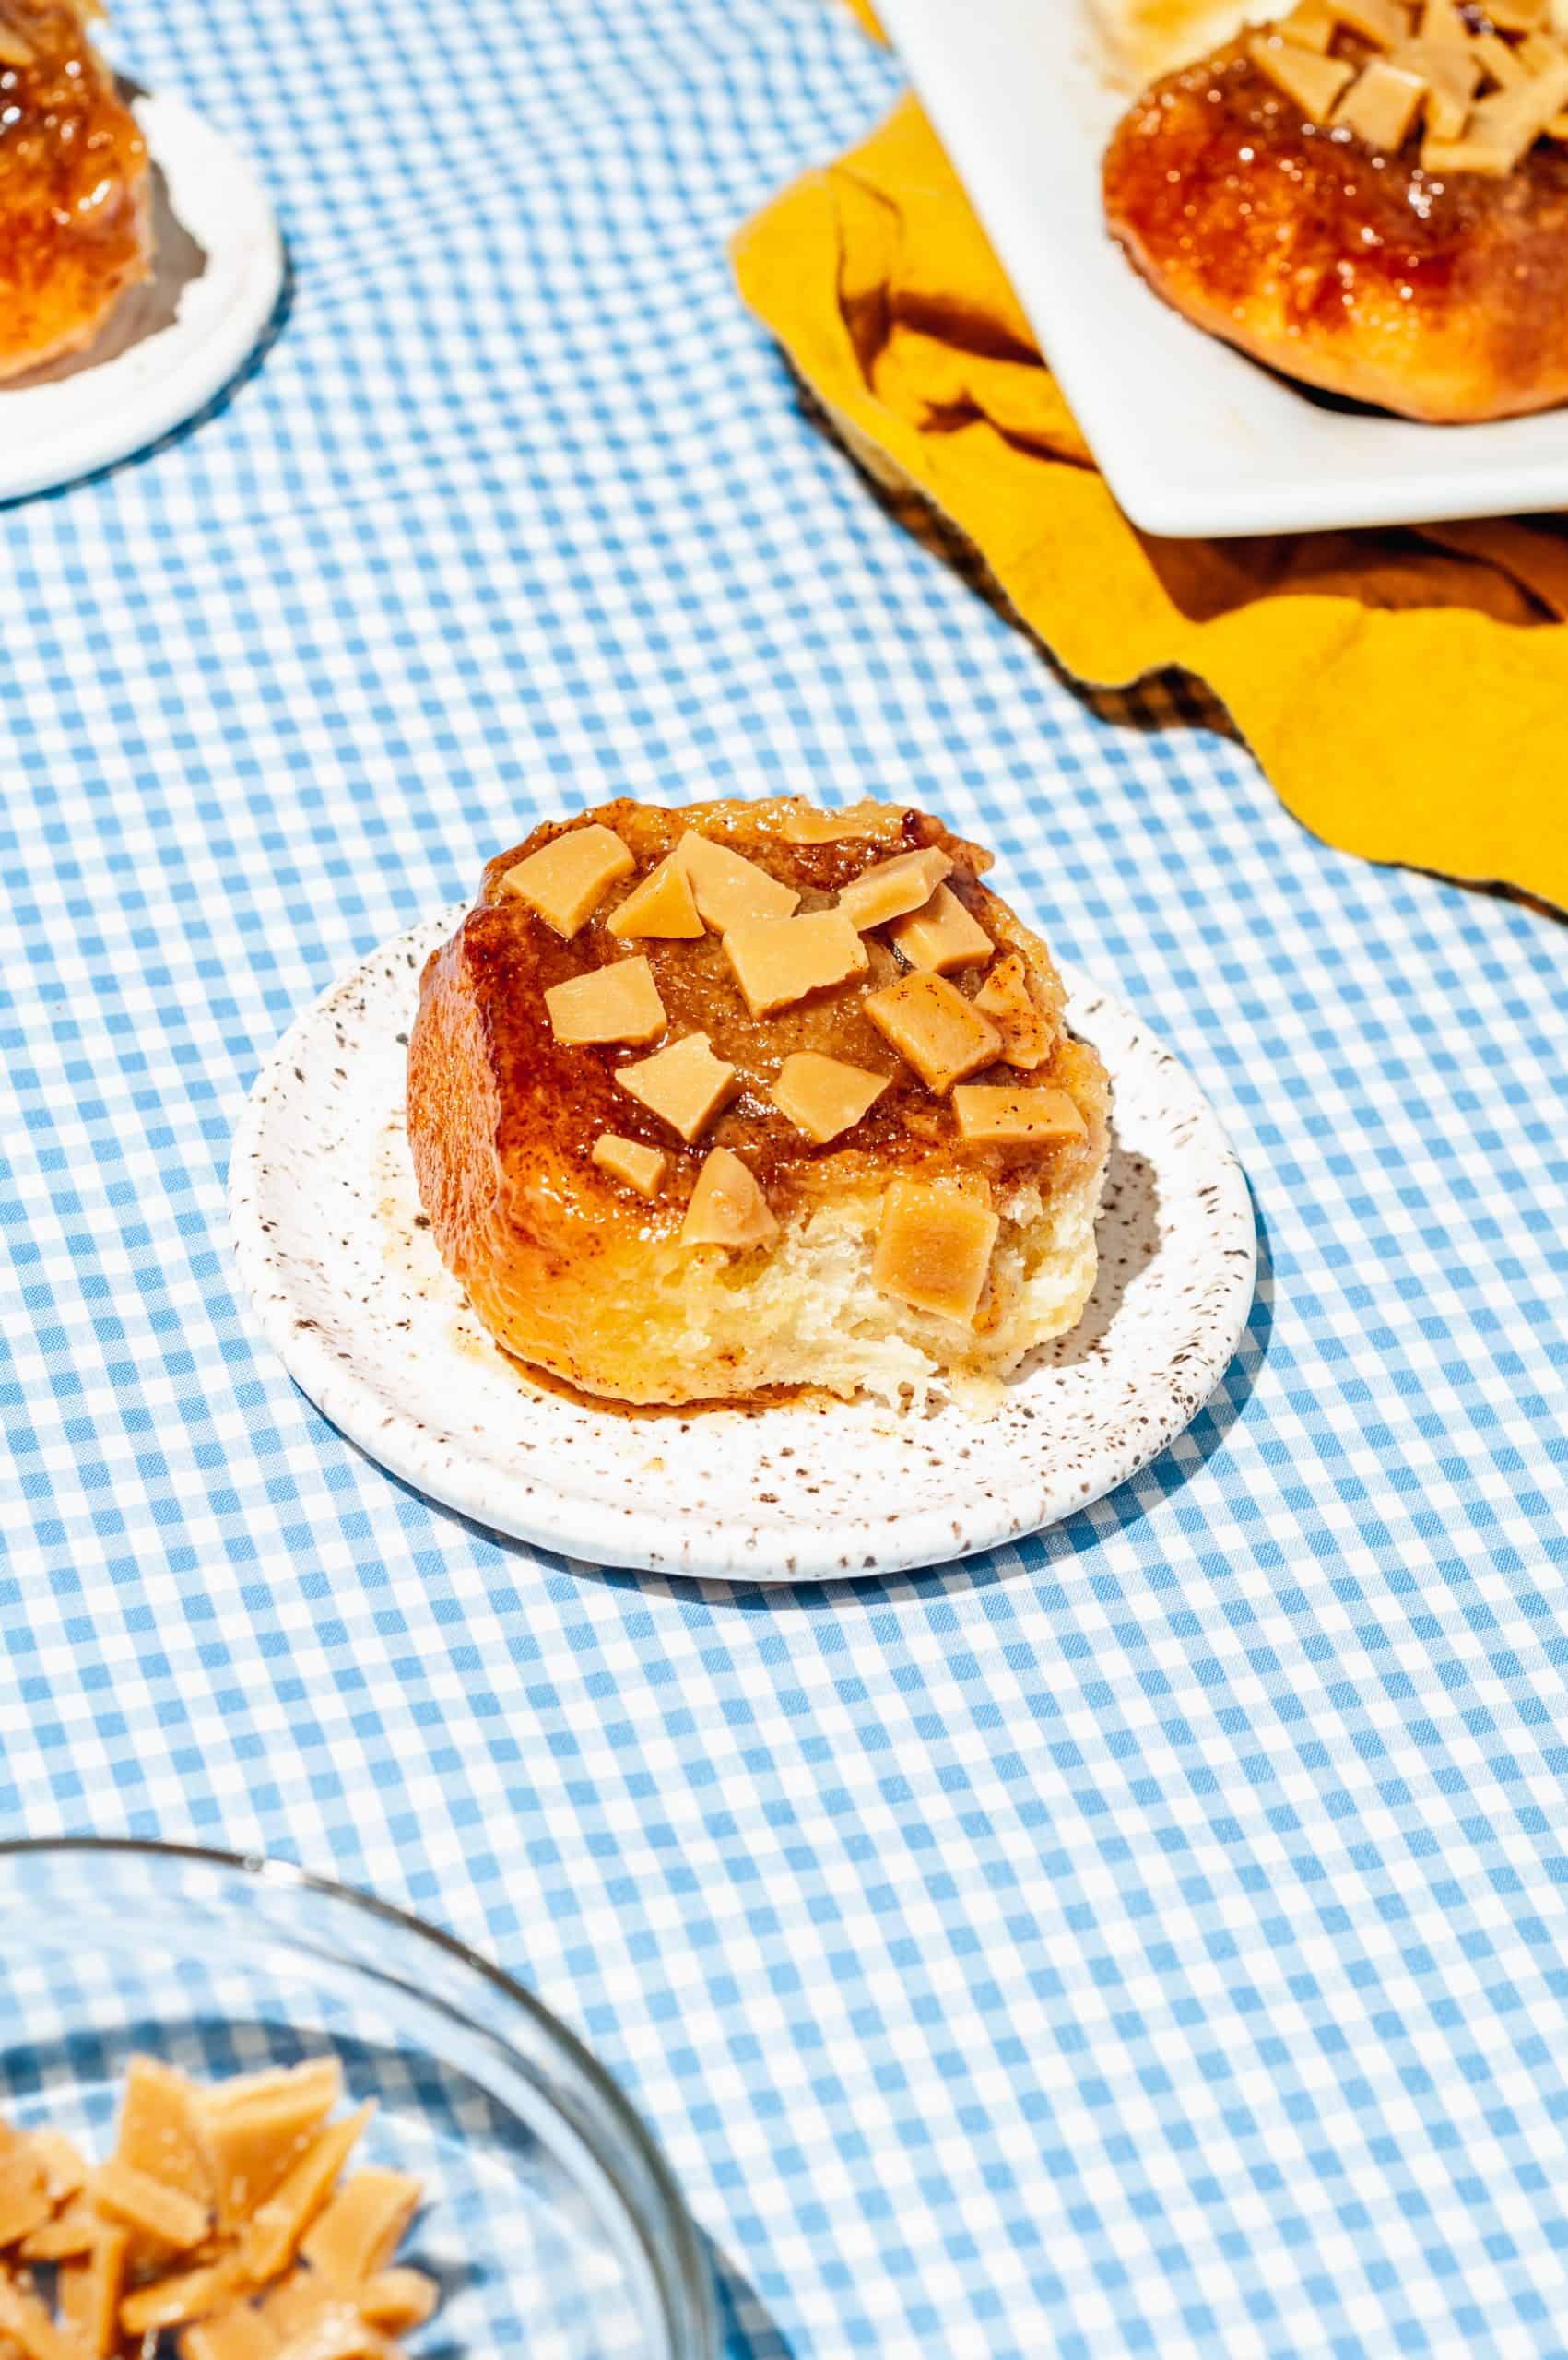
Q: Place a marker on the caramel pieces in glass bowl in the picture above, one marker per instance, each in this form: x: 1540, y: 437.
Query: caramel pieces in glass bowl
x: 222, y: 2219
x: 1486, y: 83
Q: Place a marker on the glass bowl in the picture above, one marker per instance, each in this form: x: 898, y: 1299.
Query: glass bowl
x: 552, y: 2222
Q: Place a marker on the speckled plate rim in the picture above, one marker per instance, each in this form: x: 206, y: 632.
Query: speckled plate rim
x: 1211, y: 1266
x: 54, y: 432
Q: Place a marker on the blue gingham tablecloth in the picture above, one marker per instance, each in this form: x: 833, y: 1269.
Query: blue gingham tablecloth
x: 1149, y: 1939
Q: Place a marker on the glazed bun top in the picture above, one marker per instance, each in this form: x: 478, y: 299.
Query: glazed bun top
x: 555, y: 1099
x: 74, y: 183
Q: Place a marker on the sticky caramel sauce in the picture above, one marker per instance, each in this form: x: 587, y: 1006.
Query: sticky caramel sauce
x: 1263, y: 226
x: 74, y: 196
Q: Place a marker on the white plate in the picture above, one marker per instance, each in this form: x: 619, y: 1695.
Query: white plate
x: 1191, y: 436
x: 168, y: 346
x: 351, y: 1293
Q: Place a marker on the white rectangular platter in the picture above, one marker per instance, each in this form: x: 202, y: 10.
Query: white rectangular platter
x: 1192, y: 437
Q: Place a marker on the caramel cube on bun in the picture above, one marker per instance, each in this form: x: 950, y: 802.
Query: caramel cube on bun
x: 727, y: 1207
x: 566, y: 880
x: 823, y: 1096
x: 929, y: 1021
x: 1006, y: 998
x: 942, y: 937
x: 857, y: 824
x: 891, y: 889
x: 640, y: 1167
x: 727, y: 887
x: 664, y: 904
x: 1308, y: 80
x: 777, y: 961
x: 684, y: 1085
x: 934, y: 1248
x: 619, y: 1002
x: 993, y: 1114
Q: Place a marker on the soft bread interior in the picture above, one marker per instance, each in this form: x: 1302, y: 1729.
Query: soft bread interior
x: 806, y: 1311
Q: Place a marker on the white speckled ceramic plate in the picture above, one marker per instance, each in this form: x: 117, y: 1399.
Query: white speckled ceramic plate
x: 168, y: 346
x: 349, y: 1290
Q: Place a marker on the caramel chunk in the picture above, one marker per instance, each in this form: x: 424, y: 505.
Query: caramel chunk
x: 273, y: 2237
x: 727, y: 887
x: 1537, y: 51
x: 1309, y: 81
x: 664, y: 904
x: 942, y: 937
x: 1310, y: 24
x: 88, y: 2292
x: 929, y: 1021
x: 934, y: 1248
x: 684, y: 1085
x: 1380, y: 22
x: 1440, y: 22
x: 169, y: 2302
x: 777, y: 961
x: 114, y: 2283
x: 241, y: 2333
x: 1381, y: 104
x: 24, y: 2321
x: 361, y: 2228
x: 25, y: 2201
x: 822, y: 1096
x: 334, y: 2329
x: 397, y: 2300
x: 158, y: 2131
x: 70, y: 2232
x: 1005, y: 997
x: 893, y: 888
x: 640, y: 1167
x: 566, y: 880
x: 295, y: 2301
x: 163, y: 2213
x: 619, y: 1002
x: 1448, y: 76
x: 727, y: 1207
x: 857, y: 824
x: 1501, y: 63
x: 254, y: 2131
x: 64, y: 2172
x: 1502, y: 127
x: 986, y: 1112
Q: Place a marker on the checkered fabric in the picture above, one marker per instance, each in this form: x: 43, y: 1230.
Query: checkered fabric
x: 1149, y: 1939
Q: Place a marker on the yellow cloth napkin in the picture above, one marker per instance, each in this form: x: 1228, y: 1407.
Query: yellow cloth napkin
x: 1407, y: 692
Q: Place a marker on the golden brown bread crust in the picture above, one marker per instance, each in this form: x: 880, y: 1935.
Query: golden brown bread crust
x: 1444, y: 300
x: 76, y: 208
x: 566, y: 1266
